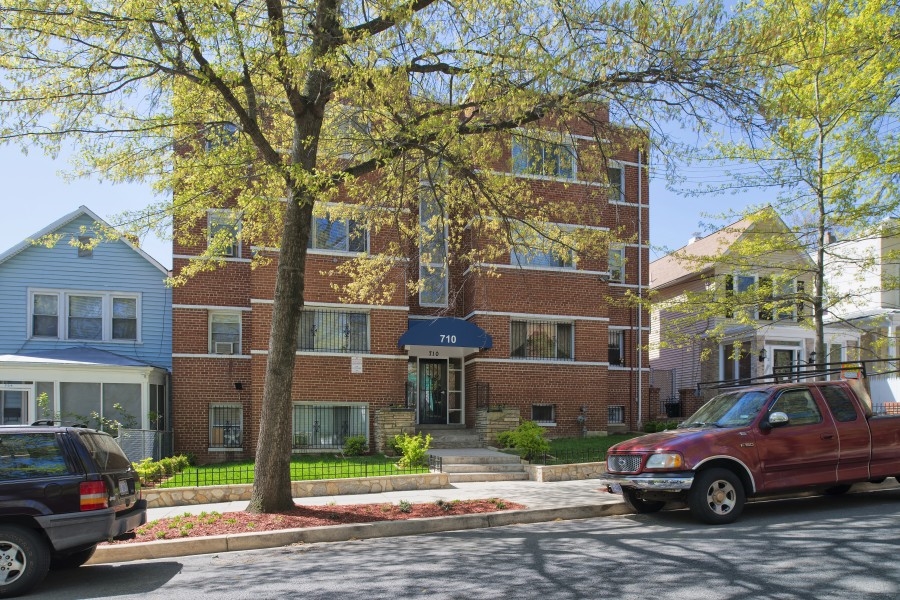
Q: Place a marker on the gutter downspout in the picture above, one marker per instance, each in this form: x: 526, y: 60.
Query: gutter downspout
x: 640, y: 308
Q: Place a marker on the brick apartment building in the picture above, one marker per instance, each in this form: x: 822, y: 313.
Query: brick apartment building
x: 545, y: 337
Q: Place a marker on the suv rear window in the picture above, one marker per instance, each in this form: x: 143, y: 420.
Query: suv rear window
x: 106, y: 452
x: 30, y: 456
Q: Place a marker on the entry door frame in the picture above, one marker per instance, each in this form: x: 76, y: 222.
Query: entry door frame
x: 454, y: 380
x: 432, y: 391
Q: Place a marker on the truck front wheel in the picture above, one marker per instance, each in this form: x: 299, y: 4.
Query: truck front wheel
x: 638, y: 504
x: 716, y: 497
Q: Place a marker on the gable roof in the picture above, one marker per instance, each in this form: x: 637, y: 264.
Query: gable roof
x: 52, y: 227
x: 702, y: 255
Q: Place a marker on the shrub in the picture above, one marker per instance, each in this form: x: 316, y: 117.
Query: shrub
x: 356, y: 445
x: 505, y: 439
x: 650, y: 427
x: 412, y: 448
x: 529, y: 440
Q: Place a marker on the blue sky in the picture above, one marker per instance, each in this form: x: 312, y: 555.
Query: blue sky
x: 35, y: 195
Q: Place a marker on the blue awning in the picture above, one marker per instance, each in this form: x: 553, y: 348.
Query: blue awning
x: 446, y: 331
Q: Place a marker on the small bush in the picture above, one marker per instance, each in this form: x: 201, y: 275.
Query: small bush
x: 505, y: 439
x: 412, y: 448
x: 356, y: 445
x: 404, y: 506
x: 529, y: 440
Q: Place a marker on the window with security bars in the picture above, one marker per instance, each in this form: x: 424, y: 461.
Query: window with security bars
x: 226, y: 423
x: 540, y: 340
x: 323, y: 330
x: 616, y: 351
x: 317, y: 426
x: 615, y: 415
x: 543, y: 413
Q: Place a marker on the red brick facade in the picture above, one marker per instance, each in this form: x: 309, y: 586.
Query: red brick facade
x: 581, y: 386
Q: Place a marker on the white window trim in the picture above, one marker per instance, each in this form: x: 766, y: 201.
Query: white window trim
x: 209, y: 322
x: 62, y: 323
x: 542, y: 321
x: 339, y: 308
x: 615, y: 164
x: 529, y: 134
x: 232, y: 215
x: 620, y: 250
x: 437, y: 266
x: 325, y: 214
x: 523, y: 265
x: 224, y: 448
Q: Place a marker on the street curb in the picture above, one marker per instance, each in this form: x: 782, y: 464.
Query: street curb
x: 343, y: 533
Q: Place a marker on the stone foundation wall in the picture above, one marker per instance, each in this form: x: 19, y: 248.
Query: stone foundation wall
x: 158, y: 498
x: 392, y: 422
x: 565, y: 472
x: 490, y: 422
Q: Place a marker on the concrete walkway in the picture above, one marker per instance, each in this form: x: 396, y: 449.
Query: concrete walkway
x: 545, y: 501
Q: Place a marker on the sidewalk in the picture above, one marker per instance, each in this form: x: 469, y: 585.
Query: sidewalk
x: 547, y: 501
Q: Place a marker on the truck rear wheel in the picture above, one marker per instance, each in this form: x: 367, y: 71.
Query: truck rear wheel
x: 716, y: 497
x: 24, y: 559
x: 638, y: 504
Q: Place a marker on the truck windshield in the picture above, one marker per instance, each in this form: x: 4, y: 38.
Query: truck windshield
x: 732, y: 409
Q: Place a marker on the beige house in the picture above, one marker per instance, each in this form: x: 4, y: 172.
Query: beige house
x: 727, y: 307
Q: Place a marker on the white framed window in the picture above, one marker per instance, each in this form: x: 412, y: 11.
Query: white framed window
x: 74, y: 315
x: 542, y: 340
x: 432, y: 248
x: 226, y: 426
x: 338, y: 235
x: 615, y: 415
x: 736, y: 360
x: 532, y: 249
x: 543, y: 158
x: 223, y: 231
x: 543, y: 414
x: 616, y: 263
x: 224, y: 332
x: 738, y: 286
x: 615, y: 173
x: 333, y: 330
x: 616, y: 348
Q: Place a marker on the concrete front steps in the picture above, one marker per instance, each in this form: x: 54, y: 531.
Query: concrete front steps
x: 450, y: 436
x: 480, y: 464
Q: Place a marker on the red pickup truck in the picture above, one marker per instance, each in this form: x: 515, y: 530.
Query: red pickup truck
x: 756, y: 441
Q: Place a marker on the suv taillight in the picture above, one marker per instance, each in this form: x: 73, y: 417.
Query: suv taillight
x: 93, y: 495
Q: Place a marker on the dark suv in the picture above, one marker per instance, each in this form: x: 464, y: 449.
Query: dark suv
x: 63, y: 490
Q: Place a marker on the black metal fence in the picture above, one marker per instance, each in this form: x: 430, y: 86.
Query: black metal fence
x: 886, y: 408
x: 313, y: 469
x: 567, y: 457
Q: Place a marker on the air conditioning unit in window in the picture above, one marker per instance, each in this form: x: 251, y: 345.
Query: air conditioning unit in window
x: 224, y: 347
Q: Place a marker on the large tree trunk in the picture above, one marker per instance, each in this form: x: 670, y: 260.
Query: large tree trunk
x: 272, y: 484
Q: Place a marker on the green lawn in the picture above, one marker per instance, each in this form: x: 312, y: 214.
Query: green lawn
x: 586, y: 444
x: 304, y: 467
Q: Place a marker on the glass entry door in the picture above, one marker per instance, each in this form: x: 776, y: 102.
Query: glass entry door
x: 785, y: 364
x: 432, y: 392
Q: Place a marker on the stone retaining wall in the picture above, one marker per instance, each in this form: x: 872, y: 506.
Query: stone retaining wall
x: 491, y: 422
x: 565, y: 472
x: 164, y: 497
x: 390, y: 423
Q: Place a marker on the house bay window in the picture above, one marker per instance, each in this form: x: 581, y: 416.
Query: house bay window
x: 327, y: 330
x: 540, y: 340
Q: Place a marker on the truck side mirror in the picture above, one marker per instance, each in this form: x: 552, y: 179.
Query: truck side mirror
x: 776, y: 419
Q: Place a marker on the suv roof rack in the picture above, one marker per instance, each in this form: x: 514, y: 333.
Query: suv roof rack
x: 44, y: 422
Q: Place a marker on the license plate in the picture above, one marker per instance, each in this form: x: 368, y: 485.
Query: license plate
x: 615, y: 488
x: 123, y: 487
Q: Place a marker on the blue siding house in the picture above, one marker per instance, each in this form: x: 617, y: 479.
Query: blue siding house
x: 85, y: 332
